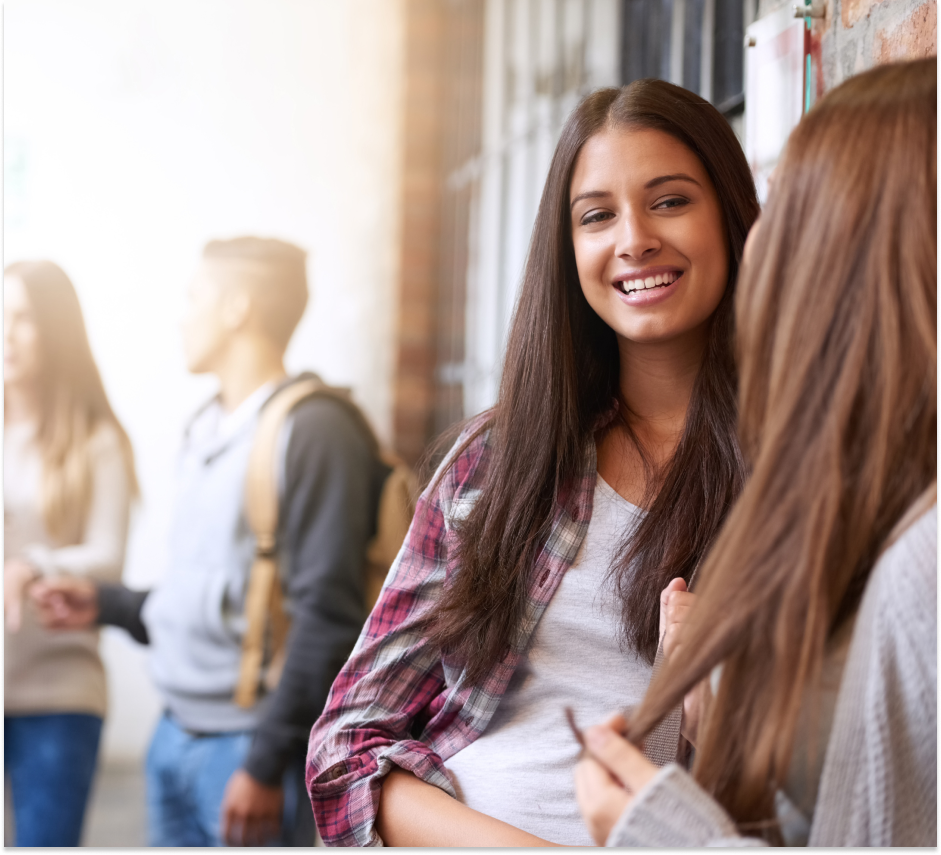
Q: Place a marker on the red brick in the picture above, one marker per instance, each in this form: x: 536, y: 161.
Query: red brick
x: 913, y: 38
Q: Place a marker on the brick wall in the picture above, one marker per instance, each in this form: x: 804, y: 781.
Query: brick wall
x: 858, y: 34
x: 413, y: 378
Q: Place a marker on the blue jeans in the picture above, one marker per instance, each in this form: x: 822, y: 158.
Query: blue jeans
x: 186, y: 780
x: 50, y: 762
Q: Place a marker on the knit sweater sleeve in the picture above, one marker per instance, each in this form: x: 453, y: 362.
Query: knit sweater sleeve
x: 100, y: 553
x: 879, y: 780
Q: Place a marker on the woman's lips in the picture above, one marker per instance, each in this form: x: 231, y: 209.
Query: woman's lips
x: 647, y: 296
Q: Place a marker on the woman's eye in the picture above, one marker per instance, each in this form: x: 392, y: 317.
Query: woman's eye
x: 672, y: 202
x: 594, y: 217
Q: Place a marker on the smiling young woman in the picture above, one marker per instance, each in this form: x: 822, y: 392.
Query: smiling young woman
x: 531, y: 575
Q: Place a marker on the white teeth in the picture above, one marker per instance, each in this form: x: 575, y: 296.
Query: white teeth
x: 629, y: 285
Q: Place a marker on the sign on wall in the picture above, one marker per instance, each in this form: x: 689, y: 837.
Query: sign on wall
x: 777, y: 47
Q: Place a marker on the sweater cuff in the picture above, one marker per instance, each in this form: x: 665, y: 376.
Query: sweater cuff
x: 120, y: 606
x: 673, y: 811
x: 267, y: 759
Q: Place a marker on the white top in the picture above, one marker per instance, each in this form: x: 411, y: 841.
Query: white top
x: 45, y: 671
x: 521, y: 769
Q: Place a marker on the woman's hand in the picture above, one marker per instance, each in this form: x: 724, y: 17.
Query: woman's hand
x: 676, y: 602
x: 17, y: 576
x: 66, y: 602
x: 675, y: 605
x: 609, y: 776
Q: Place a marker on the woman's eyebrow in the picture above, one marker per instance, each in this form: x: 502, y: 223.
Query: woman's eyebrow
x: 590, y: 194
x: 678, y: 176
x: 654, y: 182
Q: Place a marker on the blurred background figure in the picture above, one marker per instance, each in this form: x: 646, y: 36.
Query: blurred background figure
x: 68, y: 478
x: 226, y: 762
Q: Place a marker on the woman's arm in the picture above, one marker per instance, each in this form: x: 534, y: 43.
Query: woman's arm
x: 395, y: 705
x: 100, y: 555
x: 413, y: 813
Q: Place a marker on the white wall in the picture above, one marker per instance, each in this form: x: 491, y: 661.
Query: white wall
x: 135, y: 131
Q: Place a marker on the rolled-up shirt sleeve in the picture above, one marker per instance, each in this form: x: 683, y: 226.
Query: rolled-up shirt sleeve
x: 397, y: 703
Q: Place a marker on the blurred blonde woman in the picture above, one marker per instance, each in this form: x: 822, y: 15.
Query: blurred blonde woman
x: 815, y: 620
x: 68, y: 478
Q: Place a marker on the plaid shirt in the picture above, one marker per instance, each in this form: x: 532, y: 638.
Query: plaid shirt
x: 395, y: 685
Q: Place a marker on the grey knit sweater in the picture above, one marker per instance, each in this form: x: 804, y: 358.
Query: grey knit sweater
x: 879, y: 779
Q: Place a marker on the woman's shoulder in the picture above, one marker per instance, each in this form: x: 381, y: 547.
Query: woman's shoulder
x: 905, y: 579
x: 463, y: 466
x: 105, y: 440
x: 105, y: 437
x: 900, y: 598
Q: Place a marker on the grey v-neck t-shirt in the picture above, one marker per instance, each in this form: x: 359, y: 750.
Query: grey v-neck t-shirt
x: 521, y: 769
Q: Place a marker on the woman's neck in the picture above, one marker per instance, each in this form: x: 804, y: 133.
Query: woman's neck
x: 656, y: 385
x: 657, y: 382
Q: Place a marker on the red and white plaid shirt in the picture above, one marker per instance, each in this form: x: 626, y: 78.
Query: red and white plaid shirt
x: 397, y: 702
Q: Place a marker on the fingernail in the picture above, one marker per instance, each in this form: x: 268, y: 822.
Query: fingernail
x: 597, y: 737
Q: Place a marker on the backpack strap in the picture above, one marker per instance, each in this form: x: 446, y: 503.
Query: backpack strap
x: 264, y: 598
x: 267, y: 622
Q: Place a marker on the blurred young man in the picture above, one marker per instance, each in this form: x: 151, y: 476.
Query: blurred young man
x: 218, y: 773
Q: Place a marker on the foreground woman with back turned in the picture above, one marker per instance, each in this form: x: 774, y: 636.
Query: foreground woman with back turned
x: 531, y: 575
x: 815, y: 619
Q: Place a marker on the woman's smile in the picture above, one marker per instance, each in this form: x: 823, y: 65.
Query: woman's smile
x: 649, y: 286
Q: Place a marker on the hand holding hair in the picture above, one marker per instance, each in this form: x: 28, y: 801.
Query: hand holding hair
x: 609, y: 776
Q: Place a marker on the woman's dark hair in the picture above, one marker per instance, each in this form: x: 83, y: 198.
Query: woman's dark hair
x: 560, y: 381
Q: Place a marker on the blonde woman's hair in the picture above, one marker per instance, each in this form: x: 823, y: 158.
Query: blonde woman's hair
x: 72, y: 400
x: 836, y: 313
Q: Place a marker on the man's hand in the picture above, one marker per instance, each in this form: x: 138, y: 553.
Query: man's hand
x: 251, y: 811
x: 66, y: 602
x: 609, y: 776
x: 17, y: 576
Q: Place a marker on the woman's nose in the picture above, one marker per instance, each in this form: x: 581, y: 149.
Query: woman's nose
x: 636, y: 239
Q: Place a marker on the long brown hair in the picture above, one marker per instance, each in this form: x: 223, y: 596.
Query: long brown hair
x: 837, y: 346
x: 72, y: 400
x: 561, y: 377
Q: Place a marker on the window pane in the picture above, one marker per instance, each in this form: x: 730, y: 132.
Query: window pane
x: 645, y: 46
x: 692, y: 45
x: 727, y: 80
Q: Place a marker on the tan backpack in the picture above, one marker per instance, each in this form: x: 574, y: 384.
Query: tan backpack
x: 267, y: 621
